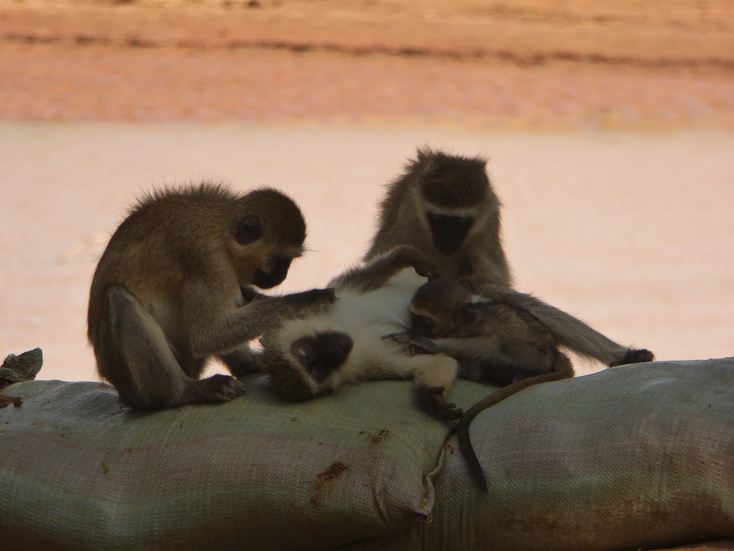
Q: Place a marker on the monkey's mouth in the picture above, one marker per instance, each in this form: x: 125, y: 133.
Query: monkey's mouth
x: 449, y: 232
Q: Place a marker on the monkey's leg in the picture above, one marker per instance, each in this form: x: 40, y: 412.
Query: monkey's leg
x: 568, y: 330
x: 240, y: 361
x: 137, y: 359
x: 562, y: 370
x: 432, y: 377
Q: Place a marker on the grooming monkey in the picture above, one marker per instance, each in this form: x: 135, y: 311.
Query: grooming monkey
x: 342, y: 343
x: 493, y: 340
x: 445, y: 206
x: 172, y: 289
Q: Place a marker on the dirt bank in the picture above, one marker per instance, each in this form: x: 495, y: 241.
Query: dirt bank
x: 584, y: 63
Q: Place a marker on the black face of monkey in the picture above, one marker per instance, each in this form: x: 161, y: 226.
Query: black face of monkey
x: 449, y: 232
x: 322, y: 354
x: 276, y: 276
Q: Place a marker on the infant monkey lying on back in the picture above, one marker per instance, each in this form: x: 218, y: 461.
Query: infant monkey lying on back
x: 343, y: 342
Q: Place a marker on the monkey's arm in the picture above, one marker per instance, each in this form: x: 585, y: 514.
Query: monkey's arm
x: 218, y: 327
x: 570, y: 331
x: 462, y: 349
x: 377, y: 272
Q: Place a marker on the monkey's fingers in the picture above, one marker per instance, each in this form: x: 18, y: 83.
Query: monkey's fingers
x: 425, y: 268
x: 399, y: 337
x: 314, y: 298
x: 322, y: 296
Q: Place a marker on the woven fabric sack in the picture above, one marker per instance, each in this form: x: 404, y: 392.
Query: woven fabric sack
x: 78, y: 471
x: 640, y: 456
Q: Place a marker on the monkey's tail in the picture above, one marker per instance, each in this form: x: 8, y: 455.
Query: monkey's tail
x: 562, y: 369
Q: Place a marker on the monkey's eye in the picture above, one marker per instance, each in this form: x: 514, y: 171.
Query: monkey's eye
x: 302, y: 349
x: 423, y: 325
x: 248, y: 229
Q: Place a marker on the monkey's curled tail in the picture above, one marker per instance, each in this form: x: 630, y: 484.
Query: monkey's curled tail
x: 562, y: 369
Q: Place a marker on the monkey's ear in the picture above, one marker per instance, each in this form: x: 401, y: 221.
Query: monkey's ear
x: 249, y: 229
x: 465, y: 315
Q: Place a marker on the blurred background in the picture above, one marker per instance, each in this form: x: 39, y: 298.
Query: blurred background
x: 609, y: 129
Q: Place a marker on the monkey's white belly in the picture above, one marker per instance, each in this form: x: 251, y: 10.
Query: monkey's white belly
x: 378, y: 312
x: 366, y: 318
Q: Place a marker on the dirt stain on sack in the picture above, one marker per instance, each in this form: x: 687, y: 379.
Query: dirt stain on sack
x: 321, y: 486
x: 377, y: 435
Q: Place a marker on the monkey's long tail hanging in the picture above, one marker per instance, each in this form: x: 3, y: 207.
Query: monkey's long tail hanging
x: 562, y: 370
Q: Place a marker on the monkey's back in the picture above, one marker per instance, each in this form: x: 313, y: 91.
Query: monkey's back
x: 511, y: 321
x: 166, y: 236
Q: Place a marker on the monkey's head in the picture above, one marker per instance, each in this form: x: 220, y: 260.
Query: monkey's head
x: 303, y: 364
x: 437, y: 308
x: 269, y: 231
x: 454, y: 198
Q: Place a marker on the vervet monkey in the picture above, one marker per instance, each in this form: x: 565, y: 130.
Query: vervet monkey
x: 343, y: 343
x: 496, y: 341
x: 172, y: 289
x: 445, y: 206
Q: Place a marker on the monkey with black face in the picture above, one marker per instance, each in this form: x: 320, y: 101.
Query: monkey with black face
x: 172, y: 289
x: 445, y: 206
x: 343, y: 343
x: 493, y: 340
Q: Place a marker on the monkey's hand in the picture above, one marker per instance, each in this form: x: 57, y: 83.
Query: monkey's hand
x: 414, y: 344
x: 249, y: 294
x: 433, y: 398
x: 425, y: 268
x: 407, y: 255
x: 314, y: 297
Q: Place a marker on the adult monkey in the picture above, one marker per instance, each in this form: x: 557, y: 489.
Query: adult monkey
x: 172, y: 289
x: 445, y: 206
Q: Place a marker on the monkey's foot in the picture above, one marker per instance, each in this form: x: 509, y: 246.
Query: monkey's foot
x: 634, y: 356
x: 433, y: 398
x: 219, y: 388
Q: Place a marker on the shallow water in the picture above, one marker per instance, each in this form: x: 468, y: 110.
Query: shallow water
x: 630, y: 231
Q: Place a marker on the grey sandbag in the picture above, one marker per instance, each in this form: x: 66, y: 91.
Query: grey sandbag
x: 78, y: 471
x: 634, y: 456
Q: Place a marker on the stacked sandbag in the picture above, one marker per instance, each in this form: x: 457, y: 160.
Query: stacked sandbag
x: 638, y: 456
x: 78, y: 471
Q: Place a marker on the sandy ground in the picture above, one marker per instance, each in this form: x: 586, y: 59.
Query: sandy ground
x: 525, y: 64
